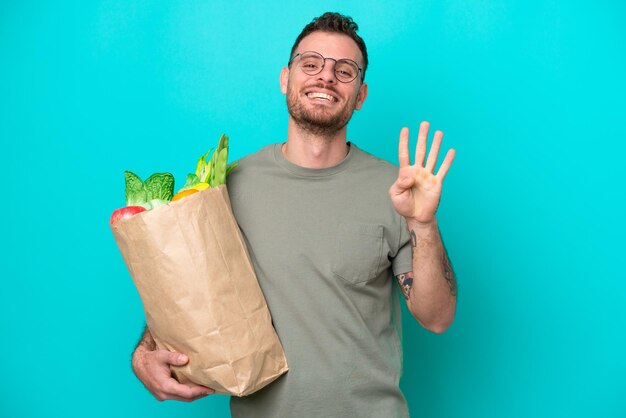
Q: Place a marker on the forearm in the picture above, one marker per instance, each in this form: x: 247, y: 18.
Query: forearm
x: 145, y: 344
x: 146, y: 341
x: 432, y: 296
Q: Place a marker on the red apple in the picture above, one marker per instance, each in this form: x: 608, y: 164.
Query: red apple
x: 125, y: 212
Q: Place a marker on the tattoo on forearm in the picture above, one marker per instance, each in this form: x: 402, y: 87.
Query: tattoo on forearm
x: 405, y: 281
x: 448, y: 273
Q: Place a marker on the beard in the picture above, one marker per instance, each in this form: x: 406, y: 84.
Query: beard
x: 319, y: 120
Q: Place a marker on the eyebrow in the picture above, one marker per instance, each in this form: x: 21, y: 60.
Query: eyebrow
x: 336, y: 59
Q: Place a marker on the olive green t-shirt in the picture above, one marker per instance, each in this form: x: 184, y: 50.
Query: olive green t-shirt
x: 324, y: 244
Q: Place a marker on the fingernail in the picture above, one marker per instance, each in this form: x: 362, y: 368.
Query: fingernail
x: 182, y: 357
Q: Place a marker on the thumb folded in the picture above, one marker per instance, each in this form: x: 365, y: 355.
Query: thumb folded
x: 401, y: 185
x: 178, y: 359
x: 406, y: 181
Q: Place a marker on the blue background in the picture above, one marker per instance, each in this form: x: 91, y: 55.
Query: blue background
x: 530, y: 94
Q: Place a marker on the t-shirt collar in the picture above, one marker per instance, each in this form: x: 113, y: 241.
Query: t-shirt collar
x: 313, y: 172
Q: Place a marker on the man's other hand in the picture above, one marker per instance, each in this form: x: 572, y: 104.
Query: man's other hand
x: 417, y: 191
x: 153, y: 369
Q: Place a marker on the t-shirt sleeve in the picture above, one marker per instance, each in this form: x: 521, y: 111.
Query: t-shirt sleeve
x: 403, y: 261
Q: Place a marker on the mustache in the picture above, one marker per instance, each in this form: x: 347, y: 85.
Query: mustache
x: 322, y: 85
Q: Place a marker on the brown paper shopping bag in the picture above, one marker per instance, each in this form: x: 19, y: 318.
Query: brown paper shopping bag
x: 200, y: 295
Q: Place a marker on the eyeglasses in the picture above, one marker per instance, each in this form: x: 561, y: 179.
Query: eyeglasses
x: 312, y: 63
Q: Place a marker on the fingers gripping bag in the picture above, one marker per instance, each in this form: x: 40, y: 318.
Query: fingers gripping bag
x: 189, y: 263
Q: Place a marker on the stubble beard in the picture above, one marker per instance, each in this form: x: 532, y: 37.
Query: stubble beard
x: 320, y: 121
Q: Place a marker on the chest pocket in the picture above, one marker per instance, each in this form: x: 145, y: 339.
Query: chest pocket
x: 357, y: 252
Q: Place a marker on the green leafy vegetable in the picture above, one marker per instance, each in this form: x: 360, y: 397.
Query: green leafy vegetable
x: 212, y: 167
x: 212, y: 164
x: 203, y: 170
x: 192, y: 180
x: 220, y: 167
x: 231, y: 167
x: 136, y: 194
x: 155, y: 203
x: 158, y: 187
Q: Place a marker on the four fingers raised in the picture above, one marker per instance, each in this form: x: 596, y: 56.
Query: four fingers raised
x: 404, y: 158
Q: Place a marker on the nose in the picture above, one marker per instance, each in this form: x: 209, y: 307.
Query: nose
x: 328, y: 71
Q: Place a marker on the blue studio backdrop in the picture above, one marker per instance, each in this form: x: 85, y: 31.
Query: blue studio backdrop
x: 529, y: 93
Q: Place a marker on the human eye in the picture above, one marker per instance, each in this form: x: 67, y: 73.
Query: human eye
x: 310, y: 65
x: 345, y: 70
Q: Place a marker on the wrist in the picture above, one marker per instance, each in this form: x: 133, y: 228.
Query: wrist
x: 139, y: 352
x: 137, y: 358
x: 147, y: 341
x: 417, y: 226
x: 142, y: 348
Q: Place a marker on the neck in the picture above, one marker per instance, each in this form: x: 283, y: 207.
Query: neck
x: 310, y: 150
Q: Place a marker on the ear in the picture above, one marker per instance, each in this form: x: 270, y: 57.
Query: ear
x: 361, y: 97
x: 284, y: 78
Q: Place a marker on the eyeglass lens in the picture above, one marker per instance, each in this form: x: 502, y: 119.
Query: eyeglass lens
x: 312, y: 64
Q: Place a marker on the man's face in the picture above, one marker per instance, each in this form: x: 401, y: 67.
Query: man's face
x: 320, y: 103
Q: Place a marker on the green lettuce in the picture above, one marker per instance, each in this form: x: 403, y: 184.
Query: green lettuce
x: 159, y: 187
x: 136, y: 194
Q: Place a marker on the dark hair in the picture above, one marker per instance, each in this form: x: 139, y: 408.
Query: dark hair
x: 334, y: 22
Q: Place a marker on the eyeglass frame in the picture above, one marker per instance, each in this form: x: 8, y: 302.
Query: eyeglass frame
x: 360, y: 70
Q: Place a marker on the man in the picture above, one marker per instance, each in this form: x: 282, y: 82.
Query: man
x: 325, y: 230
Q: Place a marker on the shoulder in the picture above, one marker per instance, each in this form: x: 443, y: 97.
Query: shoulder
x: 257, y: 157
x: 250, y: 164
x: 373, y: 166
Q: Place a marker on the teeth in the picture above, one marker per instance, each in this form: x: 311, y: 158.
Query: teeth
x: 317, y: 95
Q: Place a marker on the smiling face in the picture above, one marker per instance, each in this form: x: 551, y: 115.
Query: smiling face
x: 319, y: 103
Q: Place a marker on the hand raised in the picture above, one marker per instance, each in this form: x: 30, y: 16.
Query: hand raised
x: 153, y: 369
x: 417, y: 191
